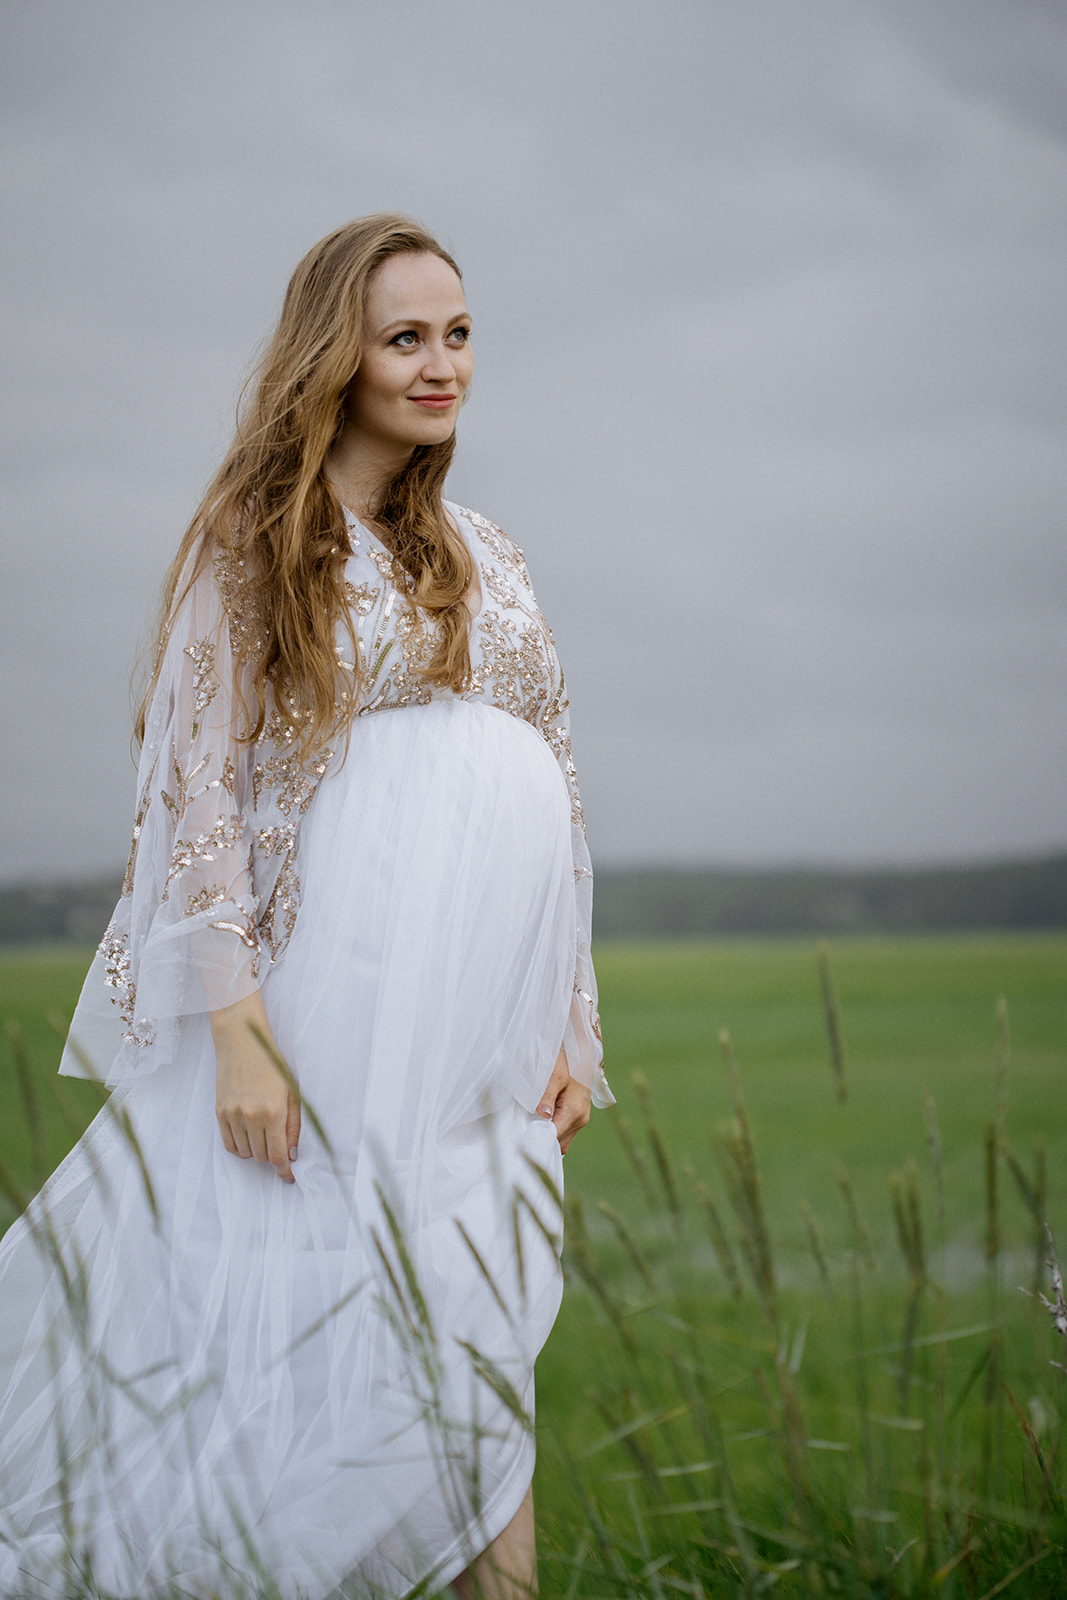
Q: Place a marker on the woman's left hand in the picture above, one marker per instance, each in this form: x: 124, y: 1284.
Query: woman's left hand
x: 566, y: 1101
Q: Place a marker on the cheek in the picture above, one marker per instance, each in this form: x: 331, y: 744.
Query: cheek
x: 378, y: 381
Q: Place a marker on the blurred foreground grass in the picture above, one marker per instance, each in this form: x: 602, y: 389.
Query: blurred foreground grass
x: 814, y: 1374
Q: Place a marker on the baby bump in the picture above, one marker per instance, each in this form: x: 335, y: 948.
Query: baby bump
x: 430, y: 971
x: 464, y: 783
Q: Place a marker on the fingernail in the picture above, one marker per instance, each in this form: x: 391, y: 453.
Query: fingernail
x: 544, y: 1111
x: 292, y: 1152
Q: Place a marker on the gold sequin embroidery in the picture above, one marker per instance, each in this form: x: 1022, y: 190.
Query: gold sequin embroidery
x: 115, y: 949
x: 178, y: 803
x: 205, y: 681
x: 498, y: 587
x: 276, y: 841
x: 362, y: 598
x: 279, y: 919
x: 205, y: 899
x: 244, y: 610
x: 504, y: 550
x: 227, y: 834
x: 292, y: 783
x: 138, y: 824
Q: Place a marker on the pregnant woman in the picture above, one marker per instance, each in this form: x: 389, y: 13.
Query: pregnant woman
x: 272, y: 1324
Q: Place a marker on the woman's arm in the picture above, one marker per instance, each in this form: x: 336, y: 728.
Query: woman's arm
x: 211, y: 892
x: 256, y: 1105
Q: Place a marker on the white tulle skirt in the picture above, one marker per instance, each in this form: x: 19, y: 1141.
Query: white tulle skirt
x: 214, y: 1379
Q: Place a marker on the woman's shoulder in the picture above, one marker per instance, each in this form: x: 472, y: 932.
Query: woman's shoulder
x: 500, y: 547
x: 213, y: 592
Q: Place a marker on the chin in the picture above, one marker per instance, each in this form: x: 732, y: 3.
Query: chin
x: 438, y: 435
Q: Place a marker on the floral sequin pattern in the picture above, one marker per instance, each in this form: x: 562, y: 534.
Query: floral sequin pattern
x: 396, y: 640
x: 118, y: 975
x: 502, y: 549
x: 205, y: 679
x: 243, y: 607
x: 138, y: 824
x: 513, y: 671
x: 292, y: 781
x: 227, y: 834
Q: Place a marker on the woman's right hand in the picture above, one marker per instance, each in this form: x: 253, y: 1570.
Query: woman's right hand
x: 257, y: 1109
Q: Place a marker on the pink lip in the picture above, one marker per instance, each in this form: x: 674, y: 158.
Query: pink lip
x: 435, y: 402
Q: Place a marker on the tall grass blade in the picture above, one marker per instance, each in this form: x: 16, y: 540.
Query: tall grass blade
x: 659, y: 1149
x: 279, y: 1061
x: 1003, y: 1062
x: 992, y: 1216
x: 717, y: 1234
x: 496, y: 1380
x: 487, y: 1276
x: 581, y: 1255
x: 621, y: 1123
x: 629, y: 1243
x: 937, y: 1165
x: 1034, y: 1195
x: 904, y: 1194
x: 744, y: 1185
x: 835, y: 1033
x: 816, y: 1244
x: 861, y: 1239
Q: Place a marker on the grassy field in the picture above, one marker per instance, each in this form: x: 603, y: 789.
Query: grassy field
x: 793, y: 1354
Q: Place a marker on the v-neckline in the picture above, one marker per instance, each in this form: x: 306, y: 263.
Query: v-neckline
x: 478, y: 573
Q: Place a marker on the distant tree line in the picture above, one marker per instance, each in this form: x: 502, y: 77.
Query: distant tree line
x: 704, y: 901
x: 650, y: 902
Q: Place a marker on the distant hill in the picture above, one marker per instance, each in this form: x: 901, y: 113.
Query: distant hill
x: 660, y: 901
x: 652, y: 902
x: 39, y: 913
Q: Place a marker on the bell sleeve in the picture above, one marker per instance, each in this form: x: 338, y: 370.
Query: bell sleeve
x: 582, y: 1038
x: 210, y: 894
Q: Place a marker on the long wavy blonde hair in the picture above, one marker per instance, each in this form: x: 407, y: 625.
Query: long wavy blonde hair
x: 271, y: 507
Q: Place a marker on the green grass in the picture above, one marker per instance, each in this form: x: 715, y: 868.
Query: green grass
x: 920, y: 1024
x: 39, y: 988
x: 919, y: 1016
x: 848, y: 1435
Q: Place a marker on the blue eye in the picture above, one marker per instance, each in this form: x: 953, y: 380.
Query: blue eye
x: 401, y: 339
x: 462, y: 334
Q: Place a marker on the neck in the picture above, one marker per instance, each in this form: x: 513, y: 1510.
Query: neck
x: 358, y: 472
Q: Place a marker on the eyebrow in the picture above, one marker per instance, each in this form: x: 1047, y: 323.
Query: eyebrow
x: 419, y: 322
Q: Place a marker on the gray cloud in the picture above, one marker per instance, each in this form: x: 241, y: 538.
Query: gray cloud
x: 771, y: 338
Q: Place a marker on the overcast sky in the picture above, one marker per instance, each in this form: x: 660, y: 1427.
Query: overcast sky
x: 771, y: 381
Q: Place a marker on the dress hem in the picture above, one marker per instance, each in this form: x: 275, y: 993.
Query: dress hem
x: 457, y: 1561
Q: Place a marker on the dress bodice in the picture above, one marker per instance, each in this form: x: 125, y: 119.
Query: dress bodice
x: 514, y: 664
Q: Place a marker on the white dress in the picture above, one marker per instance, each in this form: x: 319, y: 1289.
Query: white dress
x: 208, y: 1376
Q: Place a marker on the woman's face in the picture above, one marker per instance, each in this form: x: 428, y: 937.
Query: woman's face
x: 417, y: 358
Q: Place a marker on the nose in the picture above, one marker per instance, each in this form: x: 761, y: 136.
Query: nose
x: 438, y: 365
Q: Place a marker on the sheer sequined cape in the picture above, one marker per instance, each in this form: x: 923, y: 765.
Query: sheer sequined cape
x: 212, y: 890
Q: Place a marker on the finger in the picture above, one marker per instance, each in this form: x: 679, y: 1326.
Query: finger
x: 572, y: 1113
x: 257, y: 1138
x: 278, y: 1150
x: 238, y: 1145
x: 292, y: 1128
x: 555, y: 1086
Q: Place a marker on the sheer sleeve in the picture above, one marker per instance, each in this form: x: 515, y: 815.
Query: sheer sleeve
x: 211, y: 893
x: 582, y: 1039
